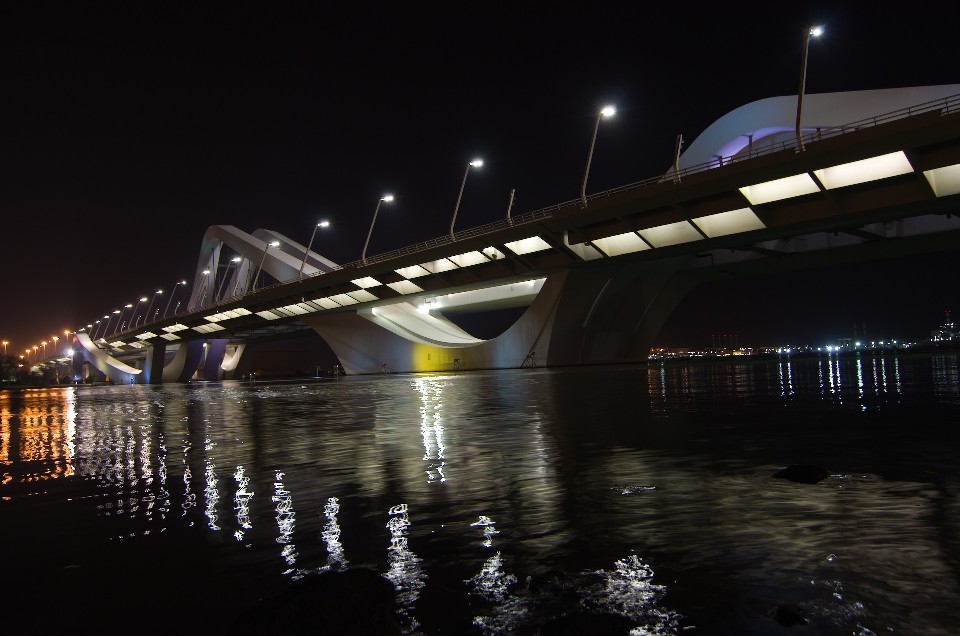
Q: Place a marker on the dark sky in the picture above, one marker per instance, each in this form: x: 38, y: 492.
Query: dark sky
x: 128, y: 132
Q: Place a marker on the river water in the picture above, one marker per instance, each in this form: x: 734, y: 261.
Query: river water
x: 496, y: 501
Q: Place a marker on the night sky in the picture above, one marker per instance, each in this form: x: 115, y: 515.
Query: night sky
x: 128, y: 132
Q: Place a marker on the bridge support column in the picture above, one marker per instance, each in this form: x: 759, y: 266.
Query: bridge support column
x: 213, y: 359
x: 153, y: 365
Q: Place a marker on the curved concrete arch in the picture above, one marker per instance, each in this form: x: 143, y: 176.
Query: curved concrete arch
x: 282, y: 263
x: 117, y: 371
x: 765, y: 118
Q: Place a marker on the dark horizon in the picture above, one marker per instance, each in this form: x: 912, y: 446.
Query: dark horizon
x: 132, y: 131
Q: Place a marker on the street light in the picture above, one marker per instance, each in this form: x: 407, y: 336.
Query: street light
x: 147, y: 312
x: 813, y: 32
x: 55, y: 340
x: 388, y: 198
x: 253, y: 287
x: 44, y: 345
x: 226, y: 275
x: 206, y: 283
x: 476, y: 163
x: 606, y: 111
x: 165, y: 309
x: 5, y: 343
x: 324, y: 224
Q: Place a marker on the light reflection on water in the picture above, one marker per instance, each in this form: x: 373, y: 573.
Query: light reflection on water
x: 643, y: 492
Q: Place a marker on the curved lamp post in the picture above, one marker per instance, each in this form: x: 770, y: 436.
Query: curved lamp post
x: 172, y: 294
x: 605, y: 112
x: 119, y: 318
x: 323, y: 224
x: 206, y: 283
x: 133, y: 314
x: 476, y: 163
x: 812, y: 32
x: 226, y: 275
x: 253, y: 287
x: 388, y: 198
x: 146, y: 314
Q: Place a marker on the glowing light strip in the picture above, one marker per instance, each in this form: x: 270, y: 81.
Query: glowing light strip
x: 176, y: 327
x: 146, y: 336
x: 366, y: 281
x: 527, y: 245
x: 865, y: 170
x: 779, y: 189
x: 170, y: 336
x: 944, y: 181
x: 730, y: 222
x: 405, y: 287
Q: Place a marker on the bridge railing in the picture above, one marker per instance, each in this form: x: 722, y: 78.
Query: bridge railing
x: 946, y: 105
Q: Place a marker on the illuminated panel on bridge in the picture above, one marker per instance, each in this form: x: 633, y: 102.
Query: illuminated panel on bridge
x: 361, y: 295
x: 170, y: 336
x: 366, y: 281
x: 174, y: 328
x: 208, y: 328
x: 469, y: 258
x: 732, y: 222
x: 437, y: 266
x: 626, y: 243
x: 226, y: 315
x: 670, y: 234
x: 778, y: 189
x: 527, y: 245
x: 146, y: 336
x: 405, y: 287
x: 864, y: 170
x: 414, y: 271
x: 944, y: 181
x: 344, y: 299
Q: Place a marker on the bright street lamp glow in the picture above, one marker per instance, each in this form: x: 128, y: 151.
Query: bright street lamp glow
x: 816, y: 31
x: 476, y: 163
x: 388, y: 198
x: 608, y: 111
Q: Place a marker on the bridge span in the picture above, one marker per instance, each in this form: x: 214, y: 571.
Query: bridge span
x: 878, y: 174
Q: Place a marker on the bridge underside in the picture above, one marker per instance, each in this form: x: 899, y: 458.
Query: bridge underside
x: 605, y: 314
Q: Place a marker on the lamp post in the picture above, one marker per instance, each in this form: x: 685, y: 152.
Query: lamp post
x: 206, y: 284
x: 133, y: 314
x: 165, y: 309
x: 388, y: 198
x: 323, y: 224
x: 226, y: 275
x: 5, y: 343
x: 812, y: 32
x: 253, y: 287
x: 55, y: 341
x: 605, y: 112
x: 146, y: 314
x: 476, y: 163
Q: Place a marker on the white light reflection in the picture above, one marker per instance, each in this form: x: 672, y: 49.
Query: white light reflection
x: 786, y: 378
x: 285, y: 522
x: 241, y: 503
x: 859, y: 377
x: 336, y: 559
x: 210, y: 493
x: 488, y: 530
x: 629, y: 591
x: 493, y: 584
x: 189, y: 499
x: 431, y: 427
x: 405, y: 572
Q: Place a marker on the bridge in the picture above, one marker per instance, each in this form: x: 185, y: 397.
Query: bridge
x: 877, y: 174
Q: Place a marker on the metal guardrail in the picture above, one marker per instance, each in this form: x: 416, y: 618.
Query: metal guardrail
x: 946, y: 106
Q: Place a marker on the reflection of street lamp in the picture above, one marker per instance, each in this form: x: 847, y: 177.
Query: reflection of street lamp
x: 310, y: 244
x: 388, y: 198
x: 165, y: 309
x: 476, y: 163
x: 813, y: 32
x: 253, y: 287
x: 606, y: 111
